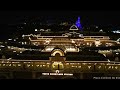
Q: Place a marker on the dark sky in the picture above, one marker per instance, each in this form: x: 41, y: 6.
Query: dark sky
x: 92, y: 17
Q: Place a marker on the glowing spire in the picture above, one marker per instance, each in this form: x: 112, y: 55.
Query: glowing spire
x: 78, y: 24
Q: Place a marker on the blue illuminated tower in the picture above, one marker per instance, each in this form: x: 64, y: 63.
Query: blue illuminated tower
x: 78, y: 24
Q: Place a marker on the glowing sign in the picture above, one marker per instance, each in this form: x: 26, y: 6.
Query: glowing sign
x: 67, y: 74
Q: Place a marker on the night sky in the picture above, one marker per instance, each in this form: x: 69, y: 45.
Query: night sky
x: 103, y: 18
x: 90, y: 17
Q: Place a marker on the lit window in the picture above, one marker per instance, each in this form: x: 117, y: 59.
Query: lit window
x: 101, y: 63
x: 9, y: 64
x: 116, y: 67
x: 73, y: 66
x: 109, y: 67
x: 99, y: 67
x: 87, y: 43
x: 112, y: 67
x: 89, y: 67
x: 3, y: 64
x: 73, y: 41
x: 37, y: 65
x: 79, y: 66
x: 49, y: 49
x: 19, y: 64
x: 14, y: 65
x: 84, y: 63
x: 9, y: 47
x: 28, y: 65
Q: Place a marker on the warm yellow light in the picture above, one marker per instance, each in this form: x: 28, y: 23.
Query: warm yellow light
x: 89, y: 67
x: 79, y: 66
x: 44, y: 65
x: 9, y: 64
x: 109, y: 67
x: 28, y: 65
x: 99, y: 67
x: 57, y: 71
x: 45, y: 73
x: 14, y: 65
x: 19, y: 65
x: 61, y: 54
x: 116, y: 67
x: 37, y: 65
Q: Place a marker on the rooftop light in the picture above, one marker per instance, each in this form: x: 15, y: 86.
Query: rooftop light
x: 9, y: 39
x: 9, y: 58
x: 36, y: 30
x: 117, y: 53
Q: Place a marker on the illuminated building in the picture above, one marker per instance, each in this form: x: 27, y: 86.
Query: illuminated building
x: 59, y: 56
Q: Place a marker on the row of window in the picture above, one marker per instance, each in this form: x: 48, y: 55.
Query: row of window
x: 11, y: 65
x: 19, y: 65
x: 30, y: 65
x: 108, y: 67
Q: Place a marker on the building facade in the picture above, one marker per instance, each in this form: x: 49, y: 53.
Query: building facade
x: 59, y: 57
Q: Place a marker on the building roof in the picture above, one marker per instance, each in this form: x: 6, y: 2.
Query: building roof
x: 33, y: 55
x: 85, y: 56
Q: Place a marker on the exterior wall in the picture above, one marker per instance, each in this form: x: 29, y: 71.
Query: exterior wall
x: 34, y: 69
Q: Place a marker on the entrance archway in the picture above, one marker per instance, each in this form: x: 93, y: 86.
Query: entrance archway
x: 56, y: 52
x: 57, y: 66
